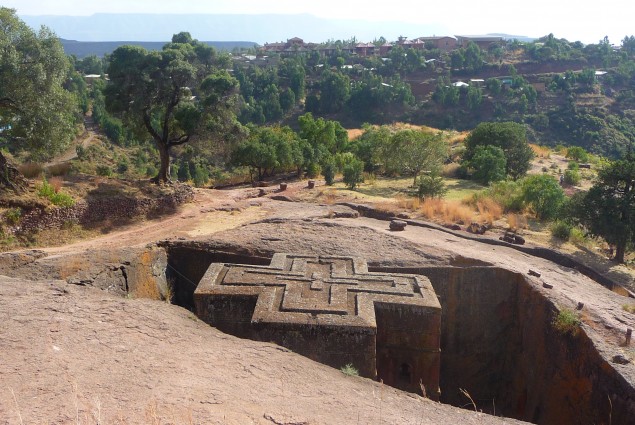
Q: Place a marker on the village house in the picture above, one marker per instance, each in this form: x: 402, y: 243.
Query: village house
x: 443, y: 43
x: 482, y: 41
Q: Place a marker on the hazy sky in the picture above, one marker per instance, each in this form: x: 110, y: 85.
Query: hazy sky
x: 587, y: 21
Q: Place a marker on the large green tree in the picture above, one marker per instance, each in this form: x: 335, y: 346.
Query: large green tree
x: 178, y: 95
x: 608, y: 209
x: 412, y: 152
x: 36, y: 112
x: 510, y: 137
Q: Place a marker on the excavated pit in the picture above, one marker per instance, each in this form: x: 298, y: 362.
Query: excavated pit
x: 498, y: 343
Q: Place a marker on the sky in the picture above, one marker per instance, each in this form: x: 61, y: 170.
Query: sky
x: 585, y: 21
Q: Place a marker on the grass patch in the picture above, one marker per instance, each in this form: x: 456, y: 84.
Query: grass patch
x: 349, y: 370
x: 566, y: 322
x: 48, y: 191
x: 629, y: 308
x: 31, y: 170
x: 459, y: 189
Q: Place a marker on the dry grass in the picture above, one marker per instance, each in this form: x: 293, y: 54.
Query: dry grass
x: 328, y: 196
x: 408, y: 203
x: 488, y: 210
x: 541, y: 151
x: 57, y: 183
x: 71, y: 267
x: 450, y: 170
x: 446, y: 211
x: 61, y: 169
x: 31, y: 170
x: 516, y: 221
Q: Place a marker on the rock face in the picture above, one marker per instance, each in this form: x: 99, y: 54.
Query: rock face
x: 498, y: 343
x: 331, y: 310
x: 99, y: 209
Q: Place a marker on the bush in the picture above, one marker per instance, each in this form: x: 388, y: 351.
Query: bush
x: 123, y: 165
x: 82, y: 155
x: 328, y: 171
x: 60, y: 199
x: 183, y: 173
x: 572, y: 177
x: 544, y: 195
x: 151, y: 170
x: 13, y: 215
x: 349, y: 370
x: 104, y: 171
x: 566, y: 322
x: 313, y: 170
x: 431, y: 187
x: 353, y: 173
x: 506, y: 193
x: 201, y: 175
x: 561, y: 230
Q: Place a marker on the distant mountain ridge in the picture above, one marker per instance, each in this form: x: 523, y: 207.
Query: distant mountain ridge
x: 260, y: 28
x: 82, y: 49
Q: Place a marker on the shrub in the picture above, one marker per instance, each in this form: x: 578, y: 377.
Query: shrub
x: 349, y: 370
x: 353, y: 173
x: 561, y: 230
x: 572, y: 165
x: 60, y: 199
x: 104, y: 170
x: 81, y: 152
x: 566, y: 322
x: 123, y: 165
x: 201, y: 175
x: 572, y: 177
x: 183, y: 173
x: 431, y: 186
x: 328, y: 171
x: 544, y: 195
x: 13, y: 215
x: 629, y: 308
x: 151, y: 170
x: 313, y: 170
x: 31, y: 170
x: 507, y: 194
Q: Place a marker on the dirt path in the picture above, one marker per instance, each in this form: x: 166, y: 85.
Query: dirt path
x: 89, y: 137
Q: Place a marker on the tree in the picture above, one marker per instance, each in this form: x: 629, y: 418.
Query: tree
x: 608, y: 209
x: 510, y: 137
x: 578, y: 154
x: 334, y: 91
x: 488, y: 163
x: 414, y: 151
x: 177, y: 95
x: 268, y: 149
x: 36, y: 112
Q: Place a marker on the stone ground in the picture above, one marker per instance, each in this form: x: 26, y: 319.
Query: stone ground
x: 76, y: 354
